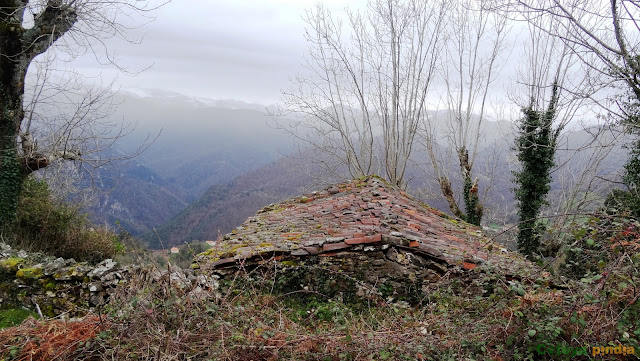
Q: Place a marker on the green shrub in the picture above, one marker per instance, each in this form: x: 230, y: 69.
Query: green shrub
x: 603, y: 255
x: 14, y: 316
x: 621, y: 202
x: 56, y: 228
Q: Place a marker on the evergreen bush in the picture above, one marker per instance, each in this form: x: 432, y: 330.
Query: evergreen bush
x: 53, y: 227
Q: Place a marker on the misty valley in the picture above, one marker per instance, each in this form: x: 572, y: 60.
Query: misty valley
x: 319, y: 180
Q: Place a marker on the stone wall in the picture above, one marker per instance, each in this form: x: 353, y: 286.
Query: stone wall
x: 60, y: 286
x: 55, y: 285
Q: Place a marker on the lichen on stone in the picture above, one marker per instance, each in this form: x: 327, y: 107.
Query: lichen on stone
x: 12, y: 264
x: 32, y: 273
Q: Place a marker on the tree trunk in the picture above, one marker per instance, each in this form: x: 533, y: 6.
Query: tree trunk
x: 10, y: 185
x: 447, y: 191
x: 13, y: 67
x: 18, y: 47
x: 472, y: 206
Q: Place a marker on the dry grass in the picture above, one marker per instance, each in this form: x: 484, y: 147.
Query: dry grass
x: 49, y: 340
x: 477, y: 315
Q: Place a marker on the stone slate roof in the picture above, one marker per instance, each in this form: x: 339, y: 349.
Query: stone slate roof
x: 358, y: 217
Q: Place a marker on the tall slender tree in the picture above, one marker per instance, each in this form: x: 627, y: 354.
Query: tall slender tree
x: 536, y: 146
x: 470, y: 64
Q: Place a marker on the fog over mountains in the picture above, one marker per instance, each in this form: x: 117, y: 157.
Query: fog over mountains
x: 214, y: 163
x: 194, y: 146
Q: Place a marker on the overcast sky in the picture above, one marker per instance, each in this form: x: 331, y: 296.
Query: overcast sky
x: 223, y: 49
x: 234, y: 49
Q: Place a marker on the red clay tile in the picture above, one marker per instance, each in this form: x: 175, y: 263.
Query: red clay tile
x: 356, y: 240
x: 223, y: 262
x: 413, y: 233
x: 334, y: 246
x: 395, y: 240
x: 373, y: 239
x: 343, y: 234
x: 468, y: 265
x: 370, y: 221
x: 299, y: 252
x: 419, y: 219
x: 290, y: 234
x: 430, y: 250
x: 453, y: 238
x: 312, y: 249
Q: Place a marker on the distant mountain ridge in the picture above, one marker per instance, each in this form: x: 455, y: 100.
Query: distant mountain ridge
x: 223, y: 207
x: 216, y: 163
x: 199, y: 145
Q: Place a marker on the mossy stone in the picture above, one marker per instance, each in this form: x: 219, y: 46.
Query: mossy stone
x: 12, y: 264
x: 30, y: 273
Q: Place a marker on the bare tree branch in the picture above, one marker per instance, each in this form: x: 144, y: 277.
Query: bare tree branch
x: 369, y: 76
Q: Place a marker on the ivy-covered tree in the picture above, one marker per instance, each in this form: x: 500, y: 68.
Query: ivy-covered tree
x: 536, y: 147
x: 472, y: 205
x: 628, y: 200
x: 29, y: 28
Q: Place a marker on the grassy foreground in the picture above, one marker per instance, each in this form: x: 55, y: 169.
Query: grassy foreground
x: 588, y: 310
x: 475, y: 316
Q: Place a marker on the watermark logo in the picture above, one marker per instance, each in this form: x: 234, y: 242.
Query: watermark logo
x: 609, y: 350
x: 584, y: 350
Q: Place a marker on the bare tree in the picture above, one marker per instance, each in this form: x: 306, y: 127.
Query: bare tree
x: 603, y: 34
x: 66, y: 118
x: 470, y: 65
x: 365, y: 94
x: 27, y: 30
x: 69, y: 130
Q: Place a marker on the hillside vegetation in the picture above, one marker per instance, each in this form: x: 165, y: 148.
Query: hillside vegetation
x: 475, y: 316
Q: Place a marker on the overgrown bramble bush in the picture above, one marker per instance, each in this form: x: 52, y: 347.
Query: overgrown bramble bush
x: 53, y: 227
x: 623, y: 202
x: 474, y: 315
x: 604, y: 255
x: 467, y: 315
